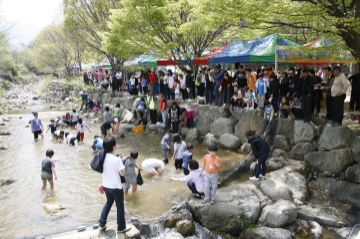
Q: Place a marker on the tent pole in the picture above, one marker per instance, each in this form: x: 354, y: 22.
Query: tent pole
x: 276, y: 63
x: 351, y: 68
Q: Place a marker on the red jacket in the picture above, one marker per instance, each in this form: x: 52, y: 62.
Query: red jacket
x: 152, y: 78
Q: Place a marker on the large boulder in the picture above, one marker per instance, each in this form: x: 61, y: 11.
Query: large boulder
x: 300, y: 150
x: 279, y: 214
x: 204, y: 121
x: 353, y: 173
x: 251, y: 120
x: 192, y: 134
x: 334, y: 161
x: 355, y: 149
x: 129, y: 102
x: 230, y: 141
x: 344, y: 191
x: 344, y: 233
x: 237, y: 113
x: 316, y: 230
x: 273, y: 164
x: 303, y: 132
x: 279, y: 153
x: 280, y: 142
x: 222, y: 126
x: 326, y: 216
x: 127, y: 116
x: 218, y: 112
x: 285, y: 127
x: 335, y: 137
x: 245, y: 148
x: 267, y: 233
x: 297, y: 186
x: 168, y: 233
x: 185, y: 227
x: 116, y: 100
x: 275, y: 189
x: 210, y: 139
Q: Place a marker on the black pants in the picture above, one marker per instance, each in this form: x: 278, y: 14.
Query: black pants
x: 184, y: 94
x: 298, y: 113
x: 261, y: 166
x: 307, y: 108
x: 153, y: 116
x: 175, y: 126
x: 119, y: 84
x: 328, y: 107
x: 355, y: 99
x: 208, y: 95
x: 274, y: 103
x: 337, y: 108
x: 201, y: 89
x: 178, y: 163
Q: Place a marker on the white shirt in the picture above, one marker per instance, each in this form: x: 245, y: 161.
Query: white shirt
x: 69, y: 137
x: 182, y: 82
x: 153, y: 163
x: 110, y: 176
x: 179, y: 149
x: 170, y: 81
x: 118, y: 75
x: 81, y: 127
x: 203, y: 79
x: 74, y: 117
x: 132, y: 81
x: 195, y: 177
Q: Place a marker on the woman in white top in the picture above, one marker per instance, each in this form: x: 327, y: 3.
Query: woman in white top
x: 169, y: 82
x: 152, y: 166
x: 179, y: 150
x: 182, y: 81
x: 112, y: 186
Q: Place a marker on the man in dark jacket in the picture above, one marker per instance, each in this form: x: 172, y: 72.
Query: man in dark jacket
x: 261, y: 150
x: 274, y: 92
x: 209, y: 87
x: 292, y: 81
x: 240, y: 78
x: 174, y: 115
x: 355, y: 92
x: 307, y: 90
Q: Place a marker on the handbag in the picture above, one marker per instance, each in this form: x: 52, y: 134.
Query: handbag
x: 97, y: 162
x: 139, y: 179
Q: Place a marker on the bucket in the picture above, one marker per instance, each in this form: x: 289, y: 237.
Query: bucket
x: 137, y: 129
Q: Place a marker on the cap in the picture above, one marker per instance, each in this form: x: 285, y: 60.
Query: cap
x: 337, y: 68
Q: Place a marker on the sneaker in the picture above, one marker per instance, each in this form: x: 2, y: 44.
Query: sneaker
x: 125, y: 230
x: 224, y: 105
x: 330, y: 121
x: 102, y: 228
x: 254, y: 178
x: 336, y: 124
x: 205, y: 201
x: 212, y: 202
x: 197, y: 196
x: 261, y: 176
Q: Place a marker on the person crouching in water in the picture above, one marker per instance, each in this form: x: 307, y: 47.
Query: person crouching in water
x: 130, y: 174
x: 70, y: 139
x: 261, y: 150
x: 48, y: 170
x: 97, y: 144
x: 194, y: 180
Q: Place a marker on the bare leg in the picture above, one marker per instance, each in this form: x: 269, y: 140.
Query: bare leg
x: 51, y: 184
x: 126, y: 190
x: 44, y: 185
x: 134, y: 187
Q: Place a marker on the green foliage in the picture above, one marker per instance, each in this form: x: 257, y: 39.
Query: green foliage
x: 247, y: 224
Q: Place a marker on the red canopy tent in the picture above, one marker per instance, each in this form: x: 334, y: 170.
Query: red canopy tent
x: 204, y: 60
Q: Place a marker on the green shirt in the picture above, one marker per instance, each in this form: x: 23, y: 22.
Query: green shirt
x: 117, y: 112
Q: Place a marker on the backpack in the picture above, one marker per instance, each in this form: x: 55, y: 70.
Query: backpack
x: 97, y: 163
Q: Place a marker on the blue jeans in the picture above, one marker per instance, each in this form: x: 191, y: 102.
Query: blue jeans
x: 153, y: 88
x: 164, y: 118
x: 112, y: 195
x: 192, y: 188
x: 218, y: 96
x: 261, y: 166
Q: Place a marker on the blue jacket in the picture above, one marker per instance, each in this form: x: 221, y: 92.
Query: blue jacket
x: 218, y: 76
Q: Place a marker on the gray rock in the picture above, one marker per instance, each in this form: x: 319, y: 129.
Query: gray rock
x: 218, y: 112
x: 344, y: 191
x: 316, y: 230
x: 279, y: 153
x: 251, y: 120
x: 334, y: 161
x: 344, y: 233
x: 300, y: 150
x: 6, y: 181
x: 230, y: 141
x: 211, y: 139
x: 193, y: 134
x: 297, y: 186
x: 237, y: 113
x: 273, y: 164
x: 285, y: 127
x: 129, y: 101
x: 222, y: 126
x: 185, y: 227
x: 155, y: 128
x: 168, y: 233
x: 280, y: 142
x: 279, y: 214
x: 326, y: 216
x: 3, y: 147
x: 127, y: 116
x: 300, y: 228
x: 4, y: 132
x: 268, y: 233
x: 335, y: 138
x: 245, y: 148
x: 355, y: 149
x: 172, y: 220
x: 204, y: 121
x: 303, y: 132
x: 353, y: 173
x: 184, y: 131
x: 275, y: 189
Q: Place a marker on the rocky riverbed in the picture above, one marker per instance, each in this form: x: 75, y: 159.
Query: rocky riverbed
x: 313, y: 186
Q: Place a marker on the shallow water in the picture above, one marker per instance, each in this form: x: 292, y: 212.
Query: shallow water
x: 21, y: 203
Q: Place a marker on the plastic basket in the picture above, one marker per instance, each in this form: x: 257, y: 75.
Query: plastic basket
x: 138, y: 129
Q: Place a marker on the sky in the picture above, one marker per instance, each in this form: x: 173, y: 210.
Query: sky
x: 29, y: 17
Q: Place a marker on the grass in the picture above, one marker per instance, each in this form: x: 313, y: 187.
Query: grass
x: 247, y: 224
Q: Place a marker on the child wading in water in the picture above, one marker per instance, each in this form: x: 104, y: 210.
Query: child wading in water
x: 130, y: 174
x: 211, y: 166
x: 48, y: 170
x: 53, y: 128
x: 186, y: 157
x: 81, y: 130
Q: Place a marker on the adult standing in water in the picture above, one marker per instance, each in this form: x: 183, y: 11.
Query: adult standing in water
x: 111, y: 182
x: 36, y: 126
x: 261, y: 150
x: 109, y: 125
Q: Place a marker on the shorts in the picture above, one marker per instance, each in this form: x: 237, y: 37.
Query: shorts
x: 72, y: 141
x: 166, y: 150
x: 73, y: 123
x: 130, y: 180
x: 46, y: 176
x: 82, y: 136
x: 103, y: 130
x: 148, y: 168
x: 54, y: 136
x: 36, y: 133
